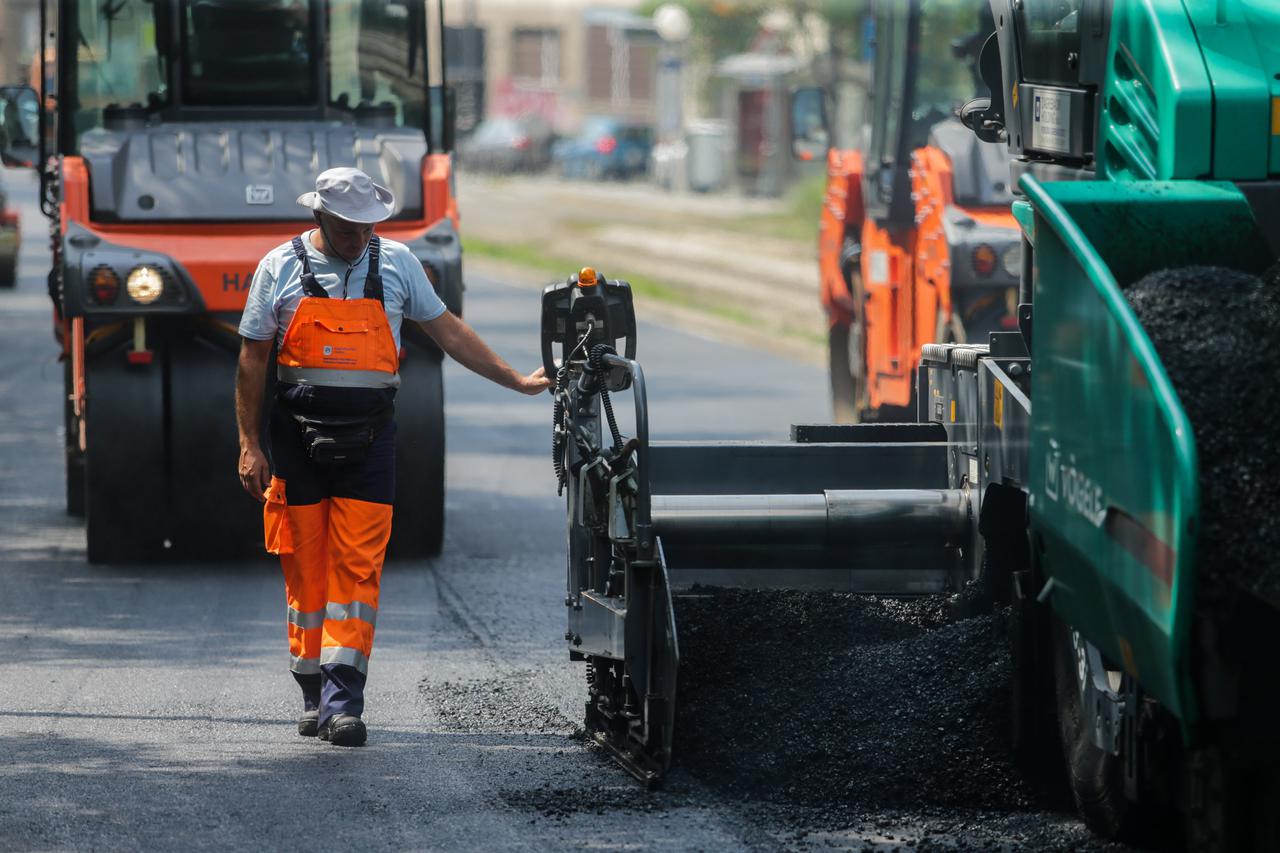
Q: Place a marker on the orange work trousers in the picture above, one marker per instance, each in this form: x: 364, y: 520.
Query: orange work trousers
x: 330, y: 525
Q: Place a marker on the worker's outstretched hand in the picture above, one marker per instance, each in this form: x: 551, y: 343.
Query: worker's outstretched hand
x: 535, y: 383
x: 255, y: 472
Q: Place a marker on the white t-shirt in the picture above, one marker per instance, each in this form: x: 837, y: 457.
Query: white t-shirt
x: 277, y: 287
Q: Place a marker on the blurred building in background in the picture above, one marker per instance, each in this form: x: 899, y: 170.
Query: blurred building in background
x: 707, y: 101
x: 562, y: 60
x: 19, y: 35
x: 755, y: 101
x: 702, y: 88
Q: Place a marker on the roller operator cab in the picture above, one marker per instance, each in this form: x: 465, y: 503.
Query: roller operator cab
x: 917, y: 243
x: 1146, y: 138
x: 178, y: 134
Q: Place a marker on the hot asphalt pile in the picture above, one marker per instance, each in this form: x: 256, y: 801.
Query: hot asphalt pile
x: 819, y: 720
x: 809, y: 720
x: 1218, y: 332
x: 844, y: 704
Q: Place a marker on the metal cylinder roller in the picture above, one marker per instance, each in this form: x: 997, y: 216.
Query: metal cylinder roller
x: 752, y: 518
x: 829, y: 518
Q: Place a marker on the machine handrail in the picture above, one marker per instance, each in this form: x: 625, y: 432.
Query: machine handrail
x: 644, y: 512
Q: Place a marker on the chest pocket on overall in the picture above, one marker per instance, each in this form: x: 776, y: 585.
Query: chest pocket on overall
x: 334, y: 342
x: 337, y: 346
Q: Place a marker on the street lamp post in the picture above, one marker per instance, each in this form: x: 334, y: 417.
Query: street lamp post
x: 674, y: 27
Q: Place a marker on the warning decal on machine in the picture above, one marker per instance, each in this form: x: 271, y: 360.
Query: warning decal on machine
x: 1051, y: 121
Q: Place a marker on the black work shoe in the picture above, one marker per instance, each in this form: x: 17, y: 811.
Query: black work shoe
x: 344, y: 730
x: 308, y: 723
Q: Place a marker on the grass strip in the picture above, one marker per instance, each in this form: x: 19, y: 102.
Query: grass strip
x: 531, y: 257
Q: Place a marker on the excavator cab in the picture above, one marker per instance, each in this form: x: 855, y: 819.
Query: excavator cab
x: 19, y: 125
x: 924, y: 60
x: 917, y: 243
x: 924, y: 68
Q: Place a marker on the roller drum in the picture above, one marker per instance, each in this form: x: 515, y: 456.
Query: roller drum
x: 887, y: 515
x: 830, y: 518
x: 741, y: 518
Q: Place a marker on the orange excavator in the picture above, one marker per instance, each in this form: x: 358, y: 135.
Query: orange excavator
x: 917, y: 244
x: 175, y: 138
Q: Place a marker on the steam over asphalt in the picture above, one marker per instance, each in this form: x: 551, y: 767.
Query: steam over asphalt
x: 148, y: 707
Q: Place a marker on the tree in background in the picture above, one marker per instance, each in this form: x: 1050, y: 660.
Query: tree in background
x: 720, y: 27
x: 847, y: 38
x: 724, y: 27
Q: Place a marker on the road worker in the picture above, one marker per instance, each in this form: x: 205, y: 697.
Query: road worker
x: 332, y: 300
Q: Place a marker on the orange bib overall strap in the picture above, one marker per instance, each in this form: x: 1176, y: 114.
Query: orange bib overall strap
x: 342, y: 343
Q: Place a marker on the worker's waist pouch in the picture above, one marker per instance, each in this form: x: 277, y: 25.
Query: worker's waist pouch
x: 339, y: 439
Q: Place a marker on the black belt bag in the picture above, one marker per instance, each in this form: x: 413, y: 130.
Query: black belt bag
x: 339, y: 439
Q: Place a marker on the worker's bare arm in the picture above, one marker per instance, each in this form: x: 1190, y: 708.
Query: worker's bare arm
x: 468, y: 349
x: 251, y: 383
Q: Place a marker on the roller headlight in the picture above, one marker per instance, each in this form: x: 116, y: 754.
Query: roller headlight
x: 1011, y: 260
x: 145, y: 285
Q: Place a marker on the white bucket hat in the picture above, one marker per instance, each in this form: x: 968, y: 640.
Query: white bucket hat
x: 350, y: 194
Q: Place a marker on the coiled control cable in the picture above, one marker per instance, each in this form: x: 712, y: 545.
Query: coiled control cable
x: 596, y: 362
x: 559, y: 427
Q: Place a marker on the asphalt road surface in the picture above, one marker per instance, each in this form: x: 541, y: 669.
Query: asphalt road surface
x: 149, y: 707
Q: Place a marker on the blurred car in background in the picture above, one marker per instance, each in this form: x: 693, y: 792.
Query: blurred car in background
x: 606, y: 148
x: 10, y: 237
x: 508, y: 144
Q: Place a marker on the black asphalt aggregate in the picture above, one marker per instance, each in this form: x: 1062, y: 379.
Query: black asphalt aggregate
x: 149, y: 707
x: 1217, y: 331
x: 836, y: 710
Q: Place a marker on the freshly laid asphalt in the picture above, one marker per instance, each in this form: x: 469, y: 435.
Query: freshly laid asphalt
x: 149, y: 706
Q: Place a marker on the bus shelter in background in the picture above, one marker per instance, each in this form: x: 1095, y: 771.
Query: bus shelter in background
x: 755, y: 91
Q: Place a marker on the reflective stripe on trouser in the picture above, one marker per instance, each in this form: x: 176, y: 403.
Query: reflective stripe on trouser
x: 339, y: 520
x: 331, y: 581
x: 358, y: 535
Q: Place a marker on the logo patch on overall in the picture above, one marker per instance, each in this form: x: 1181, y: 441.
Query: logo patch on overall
x: 259, y: 194
x: 328, y: 350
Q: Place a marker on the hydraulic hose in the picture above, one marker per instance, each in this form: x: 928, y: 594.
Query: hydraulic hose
x: 559, y: 428
x: 558, y: 432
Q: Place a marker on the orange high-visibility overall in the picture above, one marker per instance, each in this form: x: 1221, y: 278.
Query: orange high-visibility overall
x: 330, y: 523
